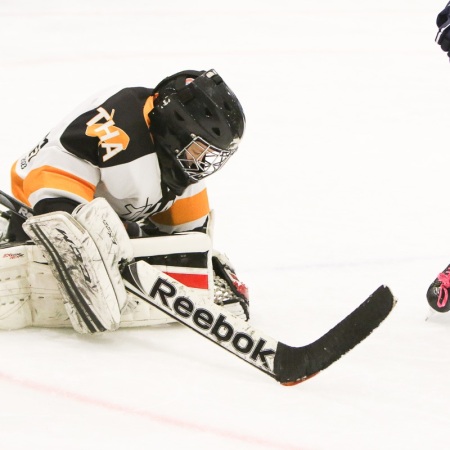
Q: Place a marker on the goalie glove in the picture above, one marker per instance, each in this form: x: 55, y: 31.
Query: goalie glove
x: 229, y: 291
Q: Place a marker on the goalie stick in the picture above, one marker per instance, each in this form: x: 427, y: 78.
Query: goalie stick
x: 286, y: 364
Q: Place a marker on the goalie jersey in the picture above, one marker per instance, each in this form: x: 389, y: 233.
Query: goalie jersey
x: 104, y: 149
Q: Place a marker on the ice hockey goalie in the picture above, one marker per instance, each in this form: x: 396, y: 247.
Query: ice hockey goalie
x: 33, y: 290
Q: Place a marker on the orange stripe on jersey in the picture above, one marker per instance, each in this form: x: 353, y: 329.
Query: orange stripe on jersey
x: 47, y: 177
x: 147, y: 108
x: 185, y: 210
x: 17, y: 186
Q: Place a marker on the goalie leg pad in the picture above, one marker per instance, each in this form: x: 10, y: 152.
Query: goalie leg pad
x: 112, y: 241
x: 85, y: 262
x: 29, y: 294
x: 15, y: 290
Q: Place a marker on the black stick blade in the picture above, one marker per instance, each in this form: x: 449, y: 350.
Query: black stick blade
x: 292, y: 365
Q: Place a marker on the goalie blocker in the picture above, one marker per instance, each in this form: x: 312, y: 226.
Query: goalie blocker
x: 67, y: 292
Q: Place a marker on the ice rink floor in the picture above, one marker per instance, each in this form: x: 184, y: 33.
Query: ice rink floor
x: 340, y: 185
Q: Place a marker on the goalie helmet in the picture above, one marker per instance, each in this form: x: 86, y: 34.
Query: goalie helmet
x: 197, y: 123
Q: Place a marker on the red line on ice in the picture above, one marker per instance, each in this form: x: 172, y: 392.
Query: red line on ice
x: 170, y: 421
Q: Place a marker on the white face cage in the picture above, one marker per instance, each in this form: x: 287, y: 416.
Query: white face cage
x: 201, y: 159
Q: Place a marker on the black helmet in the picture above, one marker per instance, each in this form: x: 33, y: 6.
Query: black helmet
x: 197, y: 123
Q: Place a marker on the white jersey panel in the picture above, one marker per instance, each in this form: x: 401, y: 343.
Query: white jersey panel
x: 139, y: 191
x: 55, y: 156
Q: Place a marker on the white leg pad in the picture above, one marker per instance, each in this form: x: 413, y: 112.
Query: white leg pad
x: 30, y: 295
x: 85, y: 262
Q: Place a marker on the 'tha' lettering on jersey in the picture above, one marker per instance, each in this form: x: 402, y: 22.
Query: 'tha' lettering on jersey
x: 112, y: 138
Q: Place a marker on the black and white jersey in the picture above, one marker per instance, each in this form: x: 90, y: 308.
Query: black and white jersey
x: 104, y: 149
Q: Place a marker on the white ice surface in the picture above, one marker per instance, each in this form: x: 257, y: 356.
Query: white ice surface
x: 340, y: 185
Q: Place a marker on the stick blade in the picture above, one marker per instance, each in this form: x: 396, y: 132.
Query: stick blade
x: 293, y: 365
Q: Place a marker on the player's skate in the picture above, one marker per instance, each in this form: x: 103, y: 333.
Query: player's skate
x: 438, y: 292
